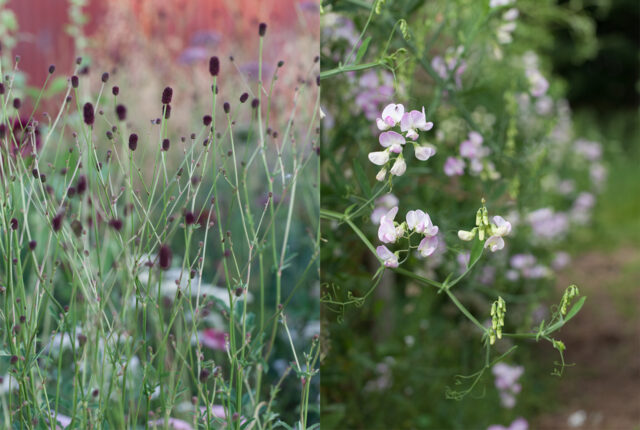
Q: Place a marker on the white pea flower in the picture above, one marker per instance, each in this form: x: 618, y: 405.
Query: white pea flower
x: 511, y: 15
x: 391, y: 115
x: 382, y: 174
x: 379, y: 158
x: 387, y: 232
x: 502, y: 226
x: 494, y: 243
x: 420, y: 222
x: 428, y: 245
x: 389, y: 258
x: 414, y: 120
x: 399, y: 167
x: 392, y: 140
x: 466, y: 235
x: 424, y: 152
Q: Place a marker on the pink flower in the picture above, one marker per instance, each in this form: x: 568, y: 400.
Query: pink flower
x: 472, y: 147
x: 214, y: 339
x: 414, y: 120
x: 389, y: 258
x: 174, y: 423
x: 592, y: 151
x: 539, y: 85
x: 420, y: 222
x: 507, y: 382
x: 424, y: 152
x: 428, y: 245
x: 387, y: 232
x: 392, y: 140
x: 517, y: 424
x: 454, y: 166
x: 391, y: 115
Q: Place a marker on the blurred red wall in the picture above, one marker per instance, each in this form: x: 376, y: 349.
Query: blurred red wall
x: 44, y: 41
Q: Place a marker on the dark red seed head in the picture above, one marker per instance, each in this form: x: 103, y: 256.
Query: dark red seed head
x: 88, y: 114
x: 166, y: 109
x: 81, y: 186
x: 206, y: 120
x: 105, y: 77
x: 189, y: 217
x: 255, y: 103
x: 1, y: 88
x: 167, y: 94
x: 32, y: 244
x: 14, y: 223
x: 121, y: 112
x: 227, y: 107
x: 164, y: 257
x: 116, y: 224
x: 244, y: 97
x: 115, y: 90
x: 17, y: 103
x: 166, y: 143
x: 280, y: 63
x: 14, y: 359
x: 56, y: 222
x: 262, y: 29
x: 133, y: 141
x: 204, y: 375
x: 3, y: 131
x: 214, y: 66
x: 52, y: 68
x: 75, y: 81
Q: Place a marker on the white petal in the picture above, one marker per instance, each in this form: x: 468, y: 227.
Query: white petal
x: 494, y: 243
x: 379, y: 158
x: 465, y: 235
x: 399, y: 167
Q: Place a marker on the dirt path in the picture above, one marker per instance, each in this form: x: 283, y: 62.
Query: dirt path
x: 603, y: 390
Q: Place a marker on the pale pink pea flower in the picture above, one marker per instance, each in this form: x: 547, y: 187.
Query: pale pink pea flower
x: 424, y: 152
x: 391, y: 115
x: 387, y: 232
x: 392, y: 140
x: 413, y: 121
x: 428, y: 245
x: 517, y: 424
x: 454, y: 166
x: 420, y: 222
x: 389, y: 258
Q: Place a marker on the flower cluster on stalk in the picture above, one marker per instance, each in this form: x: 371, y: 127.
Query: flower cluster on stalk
x: 493, y: 231
x: 390, y: 231
x: 393, y: 142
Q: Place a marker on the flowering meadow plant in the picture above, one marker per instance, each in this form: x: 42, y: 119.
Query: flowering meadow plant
x: 421, y: 251
x: 152, y: 278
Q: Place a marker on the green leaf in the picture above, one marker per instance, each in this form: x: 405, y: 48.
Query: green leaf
x: 363, y: 49
x: 575, y: 308
x: 476, y: 251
